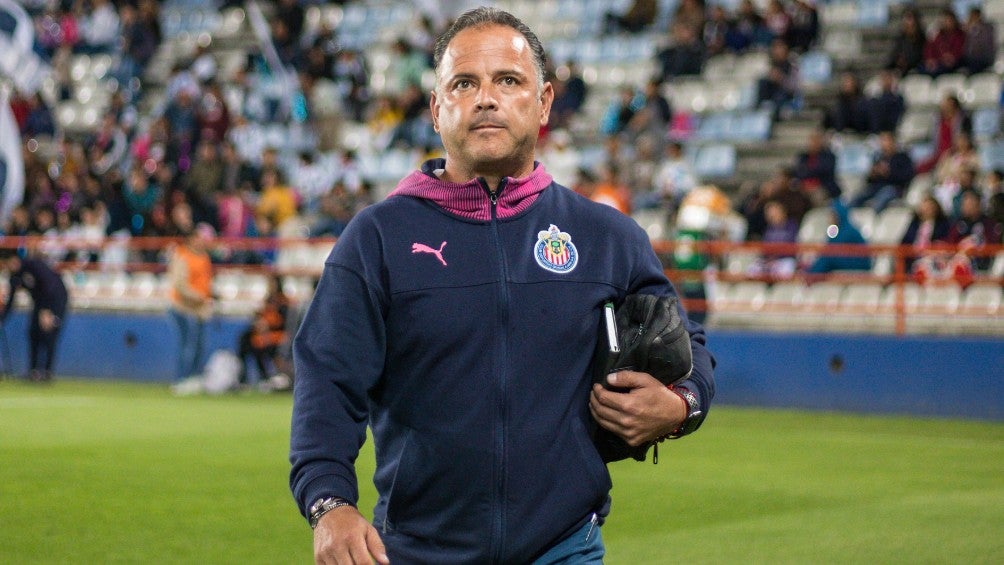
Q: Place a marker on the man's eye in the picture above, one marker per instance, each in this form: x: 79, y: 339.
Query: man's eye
x: 509, y: 81
x: 463, y: 84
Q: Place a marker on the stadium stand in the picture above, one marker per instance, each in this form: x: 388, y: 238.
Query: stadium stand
x: 335, y: 92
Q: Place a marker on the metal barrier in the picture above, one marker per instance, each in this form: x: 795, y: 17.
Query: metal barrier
x: 125, y: 273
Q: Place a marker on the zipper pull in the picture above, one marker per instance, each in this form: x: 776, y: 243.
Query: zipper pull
x: 655, y: 453
x: 493, y: 195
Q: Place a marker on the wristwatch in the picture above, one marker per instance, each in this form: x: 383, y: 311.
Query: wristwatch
x: 323, y: 506
x: 694, y: 413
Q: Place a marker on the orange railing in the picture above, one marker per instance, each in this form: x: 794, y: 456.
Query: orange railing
x: 302, y: 257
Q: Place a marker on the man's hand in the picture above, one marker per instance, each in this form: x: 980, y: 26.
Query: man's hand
x: 46, y: 320
x: 646, y: 411
x: 344, y: 537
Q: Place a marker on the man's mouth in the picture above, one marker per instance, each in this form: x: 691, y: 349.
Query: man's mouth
x: 486, y: 126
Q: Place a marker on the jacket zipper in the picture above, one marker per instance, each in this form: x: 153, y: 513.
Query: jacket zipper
x: 500, y: 435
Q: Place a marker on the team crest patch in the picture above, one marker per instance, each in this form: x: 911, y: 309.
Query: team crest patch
x: 555, y: 251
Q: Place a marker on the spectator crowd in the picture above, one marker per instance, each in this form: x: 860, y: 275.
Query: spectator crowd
x: 200, y: 157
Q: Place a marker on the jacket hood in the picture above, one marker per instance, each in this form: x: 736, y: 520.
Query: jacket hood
x: 470, y: 199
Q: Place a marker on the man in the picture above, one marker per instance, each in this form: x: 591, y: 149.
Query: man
x: 889, y: 177
x: 191, y: 275
x: 815, y: 170
x: 458, y: 318
x: 49, y: 301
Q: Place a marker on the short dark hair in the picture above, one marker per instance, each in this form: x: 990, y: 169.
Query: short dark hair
x: 487, y: 16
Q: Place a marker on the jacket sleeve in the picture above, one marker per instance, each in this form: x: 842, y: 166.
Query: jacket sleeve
x: 338, y: 354
x: 649, y: 278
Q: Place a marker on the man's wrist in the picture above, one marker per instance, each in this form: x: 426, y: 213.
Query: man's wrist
x: 692, y: 417
x: 324, y: 505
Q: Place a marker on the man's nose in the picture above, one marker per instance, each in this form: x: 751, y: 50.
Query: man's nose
x: 486, y: 99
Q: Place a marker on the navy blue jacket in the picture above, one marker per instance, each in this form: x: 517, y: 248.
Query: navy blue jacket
x: 45, y: 286
x: 455, y: 327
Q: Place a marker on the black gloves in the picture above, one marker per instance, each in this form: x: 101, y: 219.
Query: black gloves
x: 653, y: 339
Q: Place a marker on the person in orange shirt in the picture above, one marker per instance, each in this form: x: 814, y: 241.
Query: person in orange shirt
x: 611, y: 191
x: 266, y: 333
x: 191, y: 273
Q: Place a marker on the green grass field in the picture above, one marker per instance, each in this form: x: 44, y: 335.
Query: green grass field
x: 97, y: 472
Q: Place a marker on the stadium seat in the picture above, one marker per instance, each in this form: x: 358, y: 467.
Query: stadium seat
x: 751, y: 65
x: 813, y: 226
x: 886, y: 321
x: 918, y: 90
x: 916, y: 125
x: 815, y: 69
x: 949, y: 85
x: 861, y: 299
x: 654, y: 222
x: 986, y: 123
x: 820, y: 307
x: 838, y: 14
x: 891, y: 224
x: 719, y: 67
x: 920, y: 186
x: 864, y: 219
x: 740, y: 304
x: 938, y: 308
x: 981, y: 309
x: 842, y: 44
x: 872, y: 13
x: 992, y: 155
x: 781, y: 304
x: 854, y: 159
x: 983, y: 89
x: 715, y: 161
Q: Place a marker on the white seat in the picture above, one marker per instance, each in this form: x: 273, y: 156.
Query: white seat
x: 983, y: 89
x: 813, y: 226
x: 781, y: 304
x: 864, y: 219
x: 949, y: 85
x: 822, y: 304
x: 861, y: 300
x: 981, y: 310
x: 915, y: 126
x: 886, y: 320
x: 891, y: 224
x: 918, y: 90
x: 740, y: 304
x: 654, y: 222
x: 938, y: 309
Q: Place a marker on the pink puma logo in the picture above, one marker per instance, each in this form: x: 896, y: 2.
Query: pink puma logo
x: 423, y: 248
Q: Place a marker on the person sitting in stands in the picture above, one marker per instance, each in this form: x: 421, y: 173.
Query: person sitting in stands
x: 841, y: 232
x: 851, y: 110
x: 943, y: 52
x: 980, y: 50
x: 815, y: 170
x: 891, y: 173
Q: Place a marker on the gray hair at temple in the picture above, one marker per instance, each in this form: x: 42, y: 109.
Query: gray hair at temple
x: 489, y: 16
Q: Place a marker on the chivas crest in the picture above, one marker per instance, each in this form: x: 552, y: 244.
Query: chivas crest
x: 554, y: 250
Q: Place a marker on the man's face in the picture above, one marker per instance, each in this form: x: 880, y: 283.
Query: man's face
x: 487, y: 106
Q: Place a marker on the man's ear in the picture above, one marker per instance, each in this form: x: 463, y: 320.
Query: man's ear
x: 546, y: 98
x: 434, y: 109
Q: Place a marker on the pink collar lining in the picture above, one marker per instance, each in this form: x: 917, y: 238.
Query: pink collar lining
x: 469, y: 199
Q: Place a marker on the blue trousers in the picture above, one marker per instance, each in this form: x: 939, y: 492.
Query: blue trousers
x: 190, y: 332
x: 583, y: 547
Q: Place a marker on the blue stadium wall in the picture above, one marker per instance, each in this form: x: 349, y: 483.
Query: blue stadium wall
x: 920, y: 375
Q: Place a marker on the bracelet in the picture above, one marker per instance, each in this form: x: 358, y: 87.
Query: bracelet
x: 323, y: 506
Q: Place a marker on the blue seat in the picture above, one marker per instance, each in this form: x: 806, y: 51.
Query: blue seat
x: 815, y: 67
x: 992, y: 155
x: 753, y: 126
x: 715, y: 161
x: 854, y: 159
x: 986, y: 122
x: 873, y: 13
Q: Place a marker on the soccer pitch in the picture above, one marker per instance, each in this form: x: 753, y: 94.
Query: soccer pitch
x: 101, y: 472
